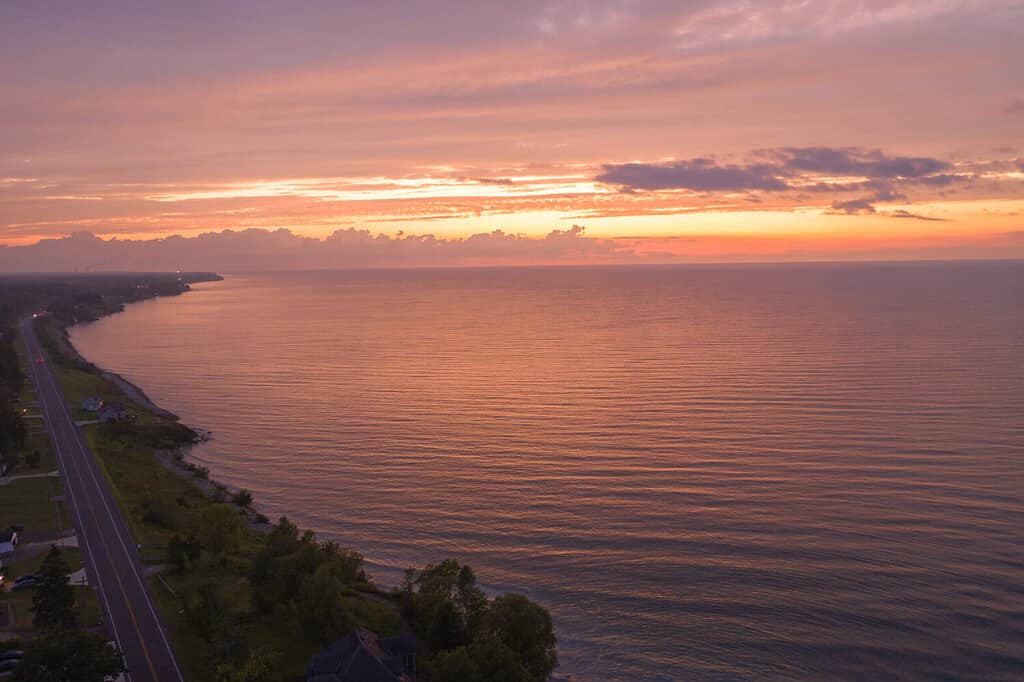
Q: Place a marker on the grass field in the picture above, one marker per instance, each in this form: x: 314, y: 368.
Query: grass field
x: 29, y: 502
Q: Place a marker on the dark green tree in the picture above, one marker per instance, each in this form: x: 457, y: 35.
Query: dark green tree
x: 182, y: 551
x: 321, y: 606
x: 12, y: 426
x: 444, y: 626
x: 455, y: 666
x: 220, y: 529
x: 207, y: 612
x: 283, y: 538
x: 53, y: 604
x: 261, y: 666
x: 243, y: 498
x: 76, y: 656
x: 471, y: 600
x: 524, y: 627
x: 497, y: 662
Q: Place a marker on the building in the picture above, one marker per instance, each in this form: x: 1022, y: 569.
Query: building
x: 92, y: 404
x: 113, y: 412
x: 8, y: 541
x: 362, y: 657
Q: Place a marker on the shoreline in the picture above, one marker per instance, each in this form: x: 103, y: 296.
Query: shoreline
x: 174, y: 459
x: 386, y: 598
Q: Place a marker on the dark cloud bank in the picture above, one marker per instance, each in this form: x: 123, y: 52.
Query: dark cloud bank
x: 255, y: 249
x: 794, y: 169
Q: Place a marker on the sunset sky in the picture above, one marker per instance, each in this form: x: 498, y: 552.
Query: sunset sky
x: 668, y: 130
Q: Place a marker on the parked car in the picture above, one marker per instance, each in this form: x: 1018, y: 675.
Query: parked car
x: 9, y: 665
x: 11, y: 654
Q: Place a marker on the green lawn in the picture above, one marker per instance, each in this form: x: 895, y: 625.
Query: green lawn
x: 28, y: 502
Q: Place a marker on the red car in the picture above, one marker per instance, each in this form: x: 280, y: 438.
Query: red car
x: 40, y: 360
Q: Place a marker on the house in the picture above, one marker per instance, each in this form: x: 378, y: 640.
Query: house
x: 92, y: 404
x: 113, y: 412
x: 8, y: 541
x: 362, y: 657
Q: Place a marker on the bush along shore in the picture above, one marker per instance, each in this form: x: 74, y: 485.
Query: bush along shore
x: 246, y: 600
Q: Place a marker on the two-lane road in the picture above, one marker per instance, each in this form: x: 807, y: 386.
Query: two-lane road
x: 110, y: 553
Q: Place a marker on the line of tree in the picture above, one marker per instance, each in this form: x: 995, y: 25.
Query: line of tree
x: 12, y: 426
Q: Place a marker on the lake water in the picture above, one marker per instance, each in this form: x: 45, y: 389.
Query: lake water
x: 728, y: 472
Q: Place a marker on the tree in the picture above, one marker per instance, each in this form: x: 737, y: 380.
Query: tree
x: 444, y: 627
x: 220, y: 529
x: 207, y: 612
x: 471, y: 600
x: 497, y: 662
x: 455, y: 666
x: 243, y: 498
x: 281, y: 570
x: 346, y: 564
x: 182, y: 551
x: 283, y: 537
x: 12, y: 426
x: 526, y: 628
x: 259, y: 667
x: 70, y: 656
x: 321, y: 605
x: 53, y: 604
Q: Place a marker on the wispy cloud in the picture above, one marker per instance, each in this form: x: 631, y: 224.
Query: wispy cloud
x: 724, y: 24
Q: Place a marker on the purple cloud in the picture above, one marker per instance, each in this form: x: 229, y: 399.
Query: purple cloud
x: 701, y: 175
x: 855, y: 161
x: 854, y: 206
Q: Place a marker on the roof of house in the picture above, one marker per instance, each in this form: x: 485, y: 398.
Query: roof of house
x: 361, y: 656
x: 112, y: 407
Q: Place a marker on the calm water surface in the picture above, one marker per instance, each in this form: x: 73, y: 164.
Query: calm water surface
x: 743, y: 472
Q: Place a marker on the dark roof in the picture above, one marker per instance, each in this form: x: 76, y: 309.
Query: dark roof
x: 361, y: 657
x: 6, y: 536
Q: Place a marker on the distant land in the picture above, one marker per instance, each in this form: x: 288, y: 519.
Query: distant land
x: 259, y: 249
